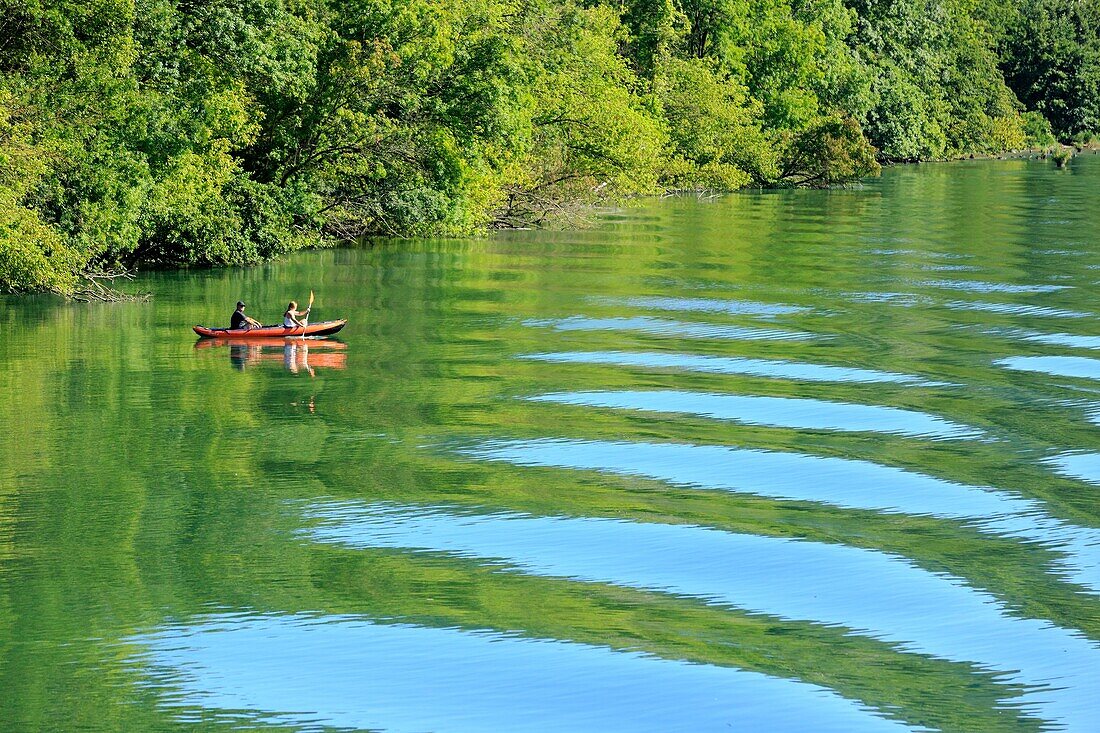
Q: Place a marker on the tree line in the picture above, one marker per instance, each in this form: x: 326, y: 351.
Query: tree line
x: 215, y: 132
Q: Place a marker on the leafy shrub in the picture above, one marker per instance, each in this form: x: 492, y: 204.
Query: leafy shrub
x: 831, y: 152
x: 714, y: 131
x: 1037, y: 131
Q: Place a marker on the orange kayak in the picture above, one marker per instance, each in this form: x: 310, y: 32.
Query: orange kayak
x: 322, y: 328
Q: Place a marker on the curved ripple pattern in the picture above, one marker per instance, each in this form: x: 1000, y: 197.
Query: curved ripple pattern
x: 728, y: 365
x: 872, y: 593
x: 841, y: 482
x: 1064, y: 339
x: 979, y: 286
x: 1014, y: 309
x: 666, y: 327
x: 356, y: 674
x: 1084, y: 466
x: 1078, y: 367
x: 791, y: 412
x: 714, y: 305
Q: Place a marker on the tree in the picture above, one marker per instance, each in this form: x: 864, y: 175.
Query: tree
x: 1051, y: 59
x: 831, y: 152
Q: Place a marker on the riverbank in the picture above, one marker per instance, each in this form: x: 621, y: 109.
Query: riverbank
x: 1056, y: 152
x: 167, y: 134
x: 117, y: 285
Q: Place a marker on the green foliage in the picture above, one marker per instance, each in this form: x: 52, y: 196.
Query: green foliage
x: 1052, y: 62
x: 33, y: 255
x: 1037, y: 130
x: 589, y: 132
x: 159, y: 132
x: 830, y: 152
x: 937, y: 89
x: 714, y: 131
x: 1086, y: 139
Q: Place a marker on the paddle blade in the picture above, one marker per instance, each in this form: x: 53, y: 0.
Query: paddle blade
x: 310, y: 299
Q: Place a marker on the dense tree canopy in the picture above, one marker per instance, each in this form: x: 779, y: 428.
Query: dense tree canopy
x: 1052, y: 62
x: 172, y: 132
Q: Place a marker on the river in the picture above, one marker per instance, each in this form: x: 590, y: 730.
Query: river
x: 779, y: 461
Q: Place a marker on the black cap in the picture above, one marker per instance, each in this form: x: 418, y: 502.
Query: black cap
x: 240, y: 304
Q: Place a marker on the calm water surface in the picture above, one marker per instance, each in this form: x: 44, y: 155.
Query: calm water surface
x: 794, y: 461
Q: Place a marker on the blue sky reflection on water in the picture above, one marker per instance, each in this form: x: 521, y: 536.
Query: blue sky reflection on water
x: 726, y: 365
x: 842, y: 482
x: 793, y: 412
x: 872, y: 593
x: 352, y: 673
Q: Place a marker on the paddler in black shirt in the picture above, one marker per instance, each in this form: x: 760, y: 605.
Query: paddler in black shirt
x: 240, y: 320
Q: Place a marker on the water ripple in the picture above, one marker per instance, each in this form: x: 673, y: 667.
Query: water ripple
x: 1064, y: 339
x: 714, y: 305
x: 729, y: 365
x: 979, y: 286
x: 841, y: 482
x: 1058, y: 366
x: 793, y: 412
x: 665, y: 327
x: 880, y: 595
x: 353, y: 673
x: 1017, y: 309
x: 1084, y: 466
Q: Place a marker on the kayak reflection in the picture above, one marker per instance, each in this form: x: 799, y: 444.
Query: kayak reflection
x: 296, y: 354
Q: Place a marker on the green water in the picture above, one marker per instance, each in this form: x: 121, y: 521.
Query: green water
x: 803, y: 460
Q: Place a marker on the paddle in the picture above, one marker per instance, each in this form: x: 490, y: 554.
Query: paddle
x: 305, y: 321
